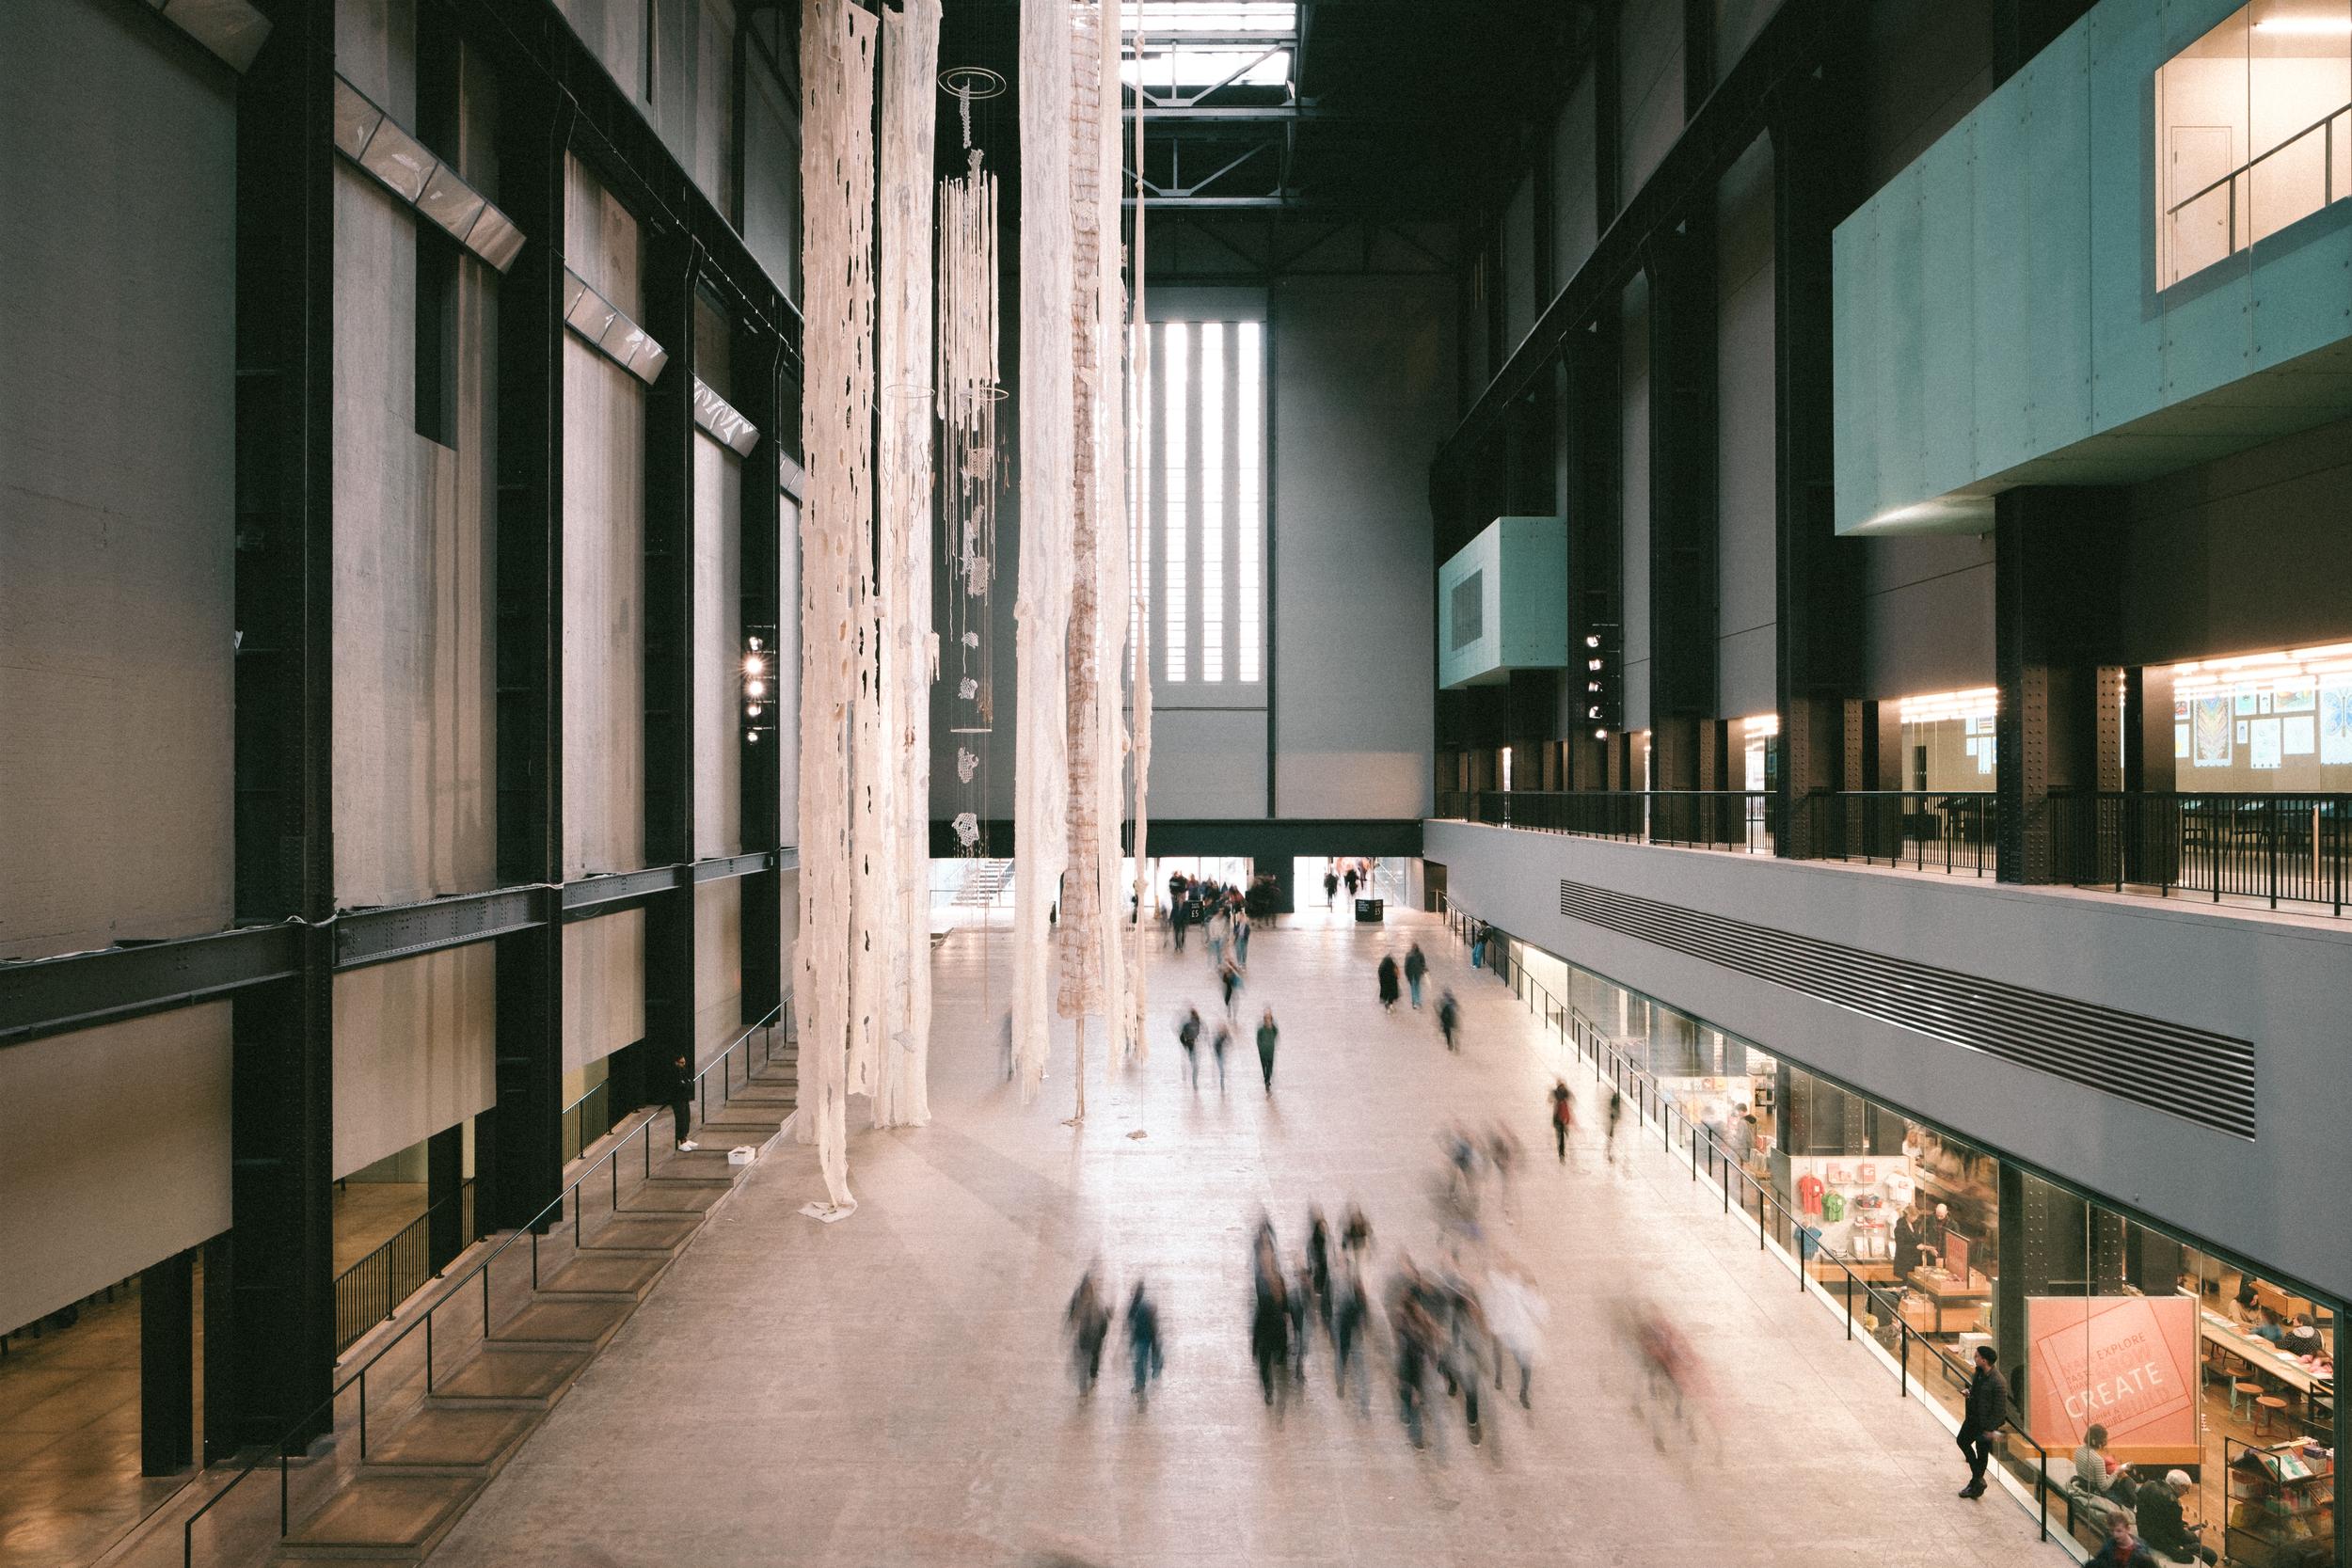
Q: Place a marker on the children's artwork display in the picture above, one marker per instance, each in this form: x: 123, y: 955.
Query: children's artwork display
x: 2212, y: 732
x: 2264, y: 742
x: 2299, y: 735
x: 2180, y: 740
x: 2335, y: 725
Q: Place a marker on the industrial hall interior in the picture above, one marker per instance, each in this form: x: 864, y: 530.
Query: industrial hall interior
x: 687, y: 686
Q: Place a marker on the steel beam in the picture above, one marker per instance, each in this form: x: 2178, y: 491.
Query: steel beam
x: 56, y: 996
x: 367, y: 937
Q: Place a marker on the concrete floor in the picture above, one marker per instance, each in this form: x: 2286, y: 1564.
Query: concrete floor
x: 893, y: 1389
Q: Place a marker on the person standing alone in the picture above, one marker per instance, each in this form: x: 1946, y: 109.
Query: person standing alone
x: 1268, y: 1034
x: 1416, y: 970
x: 1450, y: 1020
x: 681, y: 1103
x: 1988, y: 1403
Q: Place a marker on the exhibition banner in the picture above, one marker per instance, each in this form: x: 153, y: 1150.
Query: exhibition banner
x: 2128, y: 1363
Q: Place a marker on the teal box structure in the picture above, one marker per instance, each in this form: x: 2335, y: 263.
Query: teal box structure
x: 2044, y: 299
x: 1503, y: 603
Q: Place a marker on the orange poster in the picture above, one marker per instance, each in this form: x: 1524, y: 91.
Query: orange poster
x: 2128, y: 1363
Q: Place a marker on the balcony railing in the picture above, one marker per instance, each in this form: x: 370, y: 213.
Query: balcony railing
x: 2227, y: 208
x: 2278, y: 849
x: 2295, y: 848
x: 371, y: 1289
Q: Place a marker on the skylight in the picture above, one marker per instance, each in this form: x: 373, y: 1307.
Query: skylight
x: 1168, y: 70
x: 1176, y: 18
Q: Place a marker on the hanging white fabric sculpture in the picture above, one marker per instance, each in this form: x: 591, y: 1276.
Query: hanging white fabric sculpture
x: 1041, y: 606
x: 836, y: 538
x: 969, y: 392
x: 909, y: 647
x: 1116, y: 595
x: 1139, y: 541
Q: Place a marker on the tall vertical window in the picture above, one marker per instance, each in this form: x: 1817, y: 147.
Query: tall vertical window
x: 1204, y: 507
x: 1248, y: 504
x: 1214, y: 542
x: 1175, y: 362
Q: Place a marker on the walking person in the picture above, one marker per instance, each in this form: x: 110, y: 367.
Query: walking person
x: 682, y: 1103
x: 1268, y: 1033
x: 1448, y: 1021
x: 1228, y: 976
x: 1609, y: 1145
x: 1388, y: 992
x: 1516, y: 1312
x: 1988, y: 1403
x: 1188, y: 1036
x: 1330, y: 887
x: 1564, y: 1115
x: 1319, y: 1261
x: 1416, y: 970
x: 1269, y: 1317
x: 1241, y: 939
x: 1355, y: 1234
x: 1090, y: 1319
x: 1179, y: 916
x: 1224, y: 1037
x: 1350, y: 880
x: 1349, y: 1314
x: 1143, y: 1338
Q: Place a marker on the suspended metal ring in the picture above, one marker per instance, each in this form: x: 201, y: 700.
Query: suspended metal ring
x: 974, y: 81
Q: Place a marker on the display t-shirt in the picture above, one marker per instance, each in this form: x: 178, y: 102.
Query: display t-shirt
x: 1899, y: 1187
x: 1809, y: 1192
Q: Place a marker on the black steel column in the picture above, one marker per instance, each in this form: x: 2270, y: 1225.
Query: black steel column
x: 279, y: 1328
x: 2057, y: 620
x: 519, y: 1145
x: 760, y: 358
x: 1683, y: 497
x: 674, y: 262
x: 167, y: 1365
x: 1819, y: 646
x: 444, y: 1182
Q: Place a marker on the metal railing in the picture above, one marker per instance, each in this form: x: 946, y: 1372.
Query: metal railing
x: 296, y: 1437
x: 1740, y: 819
x: 2292, y: 847
x: 2330, y: 178
x: 587, y: 1119
x: 1937, y: 830
x: 1819, y: 1269
x: 370, y: 1290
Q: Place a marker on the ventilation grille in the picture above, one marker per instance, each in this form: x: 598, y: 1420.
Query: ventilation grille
x: 2190, y: 1073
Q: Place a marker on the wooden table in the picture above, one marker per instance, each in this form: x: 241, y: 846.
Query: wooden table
x: 1950, y: 1295
x: 2260, y: 1353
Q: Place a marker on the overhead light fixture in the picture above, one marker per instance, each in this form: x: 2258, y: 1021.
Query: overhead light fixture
x: 1601, y: 734
x: 406, y: 166
x: 1592, y: 639
x: 1592, y: 664
x: 726, y: 426
x: 609, y: 330
x: 233, y: 30
x: 2305, y: 26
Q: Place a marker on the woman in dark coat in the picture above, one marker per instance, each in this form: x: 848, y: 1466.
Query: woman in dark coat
x: 1387, y: 980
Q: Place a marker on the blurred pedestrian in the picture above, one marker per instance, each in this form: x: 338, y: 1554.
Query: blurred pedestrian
x: 1241, y: 939
x: 1388, y: 981
x: 1450, y: 1020
x: 1356, y: 1233
x: 1516, y: 1312
x: 1299, y: 1301
x: 1416, y: 970
x: 1143, y: 1338
x: 1179, y: 914
x: 1188, y: 1036
x: 1269, y: 1317
x: 1089, y: 1317
x: 1228, y: 976
x: 1350, y: 880
x: 1223, y: 1038
x: 1319, y: 1261
x: 1330, y: 887
x: 1349, y: 1314
x: 1268, y: 1034
x: 1616, y: 1109
x: 1564, y: 1115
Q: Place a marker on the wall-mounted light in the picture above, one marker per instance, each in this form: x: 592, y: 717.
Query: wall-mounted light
x: 608, y: 328
x: 753, y: 668
x: 404, y: 166
x: 1592, y: 639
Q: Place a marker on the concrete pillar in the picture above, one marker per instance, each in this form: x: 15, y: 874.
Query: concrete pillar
x: 168, y: 1365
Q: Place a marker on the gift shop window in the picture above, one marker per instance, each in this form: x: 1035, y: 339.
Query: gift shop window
x: 2253, y: 125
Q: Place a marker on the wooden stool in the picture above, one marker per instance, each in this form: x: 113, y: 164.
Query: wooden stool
x: 2268, y: 1407
x: 2250, y: 1391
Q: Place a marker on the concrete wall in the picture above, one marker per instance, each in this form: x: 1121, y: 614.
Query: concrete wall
x: 1574, y: 225
x: 604, y: 987
x: 604, y: 541
x: 2277, y: 982
x: 1927, y: 612
x: 117, y: 277
x: 1746, y: 442
x: 1929, y: 65
x: 116, y: 1154
x: 1633, y: 378
x: 718, y: 967
x: 415, y: 1050
x: 414, y: 711
x: 1519, y: 284
x: 1649, y: 56
x: 718, y: 638
x: 1362, y: 383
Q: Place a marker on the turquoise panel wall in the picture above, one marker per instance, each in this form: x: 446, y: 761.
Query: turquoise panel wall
x: 1503, y: 603
x: 1998, y: 315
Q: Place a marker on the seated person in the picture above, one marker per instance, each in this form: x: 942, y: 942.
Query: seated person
x: 2122, y: 1549
x: 2244, y: 1301
x: 2160, y: 1521
x: 2302, y: 1338
x: 2270, y: 1327
x: 2098, y: 1471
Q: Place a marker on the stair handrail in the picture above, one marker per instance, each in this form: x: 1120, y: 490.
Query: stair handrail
x: 294, y: 1432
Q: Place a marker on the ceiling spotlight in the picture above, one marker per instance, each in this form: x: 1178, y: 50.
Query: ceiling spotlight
x: 755, y: 665
x: 1601, y: 734
x: 1592, y: 664
x: 1592, y: 712
x: 754, y: 644
x: 755, y: 688
x: 753, y: 711
x: 751, y: 736
x: 1592, y: 685
x: 1593, y: 641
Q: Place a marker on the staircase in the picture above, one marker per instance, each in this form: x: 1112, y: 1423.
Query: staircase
x: 984, y: 883
x: 428, y: 1453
